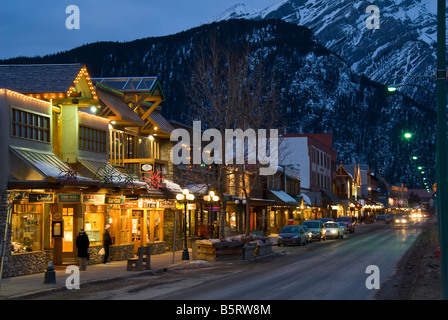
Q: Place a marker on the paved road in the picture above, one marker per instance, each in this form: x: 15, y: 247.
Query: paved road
x: 336, y: 270
x: 333, y: 270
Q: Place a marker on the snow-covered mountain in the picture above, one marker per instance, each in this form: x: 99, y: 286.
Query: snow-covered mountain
x: 402, y: 50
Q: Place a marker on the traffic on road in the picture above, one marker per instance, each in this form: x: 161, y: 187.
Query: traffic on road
x: 327, y: 228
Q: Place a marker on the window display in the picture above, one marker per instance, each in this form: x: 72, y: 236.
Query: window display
x: 26, y: 228
x: 94, y: 223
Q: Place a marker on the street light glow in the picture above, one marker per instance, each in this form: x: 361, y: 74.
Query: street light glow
x: 391, y: 88
x: 408, y: 135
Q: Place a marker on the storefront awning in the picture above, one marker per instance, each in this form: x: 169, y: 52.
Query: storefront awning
x: 154, y: 193
x: 47, y: 165
x: 105, y: 172
x: 262, y: 202
x: 171, y: 189
x: 284, y: 199
x: 201, y: 188
x: 101, y: 170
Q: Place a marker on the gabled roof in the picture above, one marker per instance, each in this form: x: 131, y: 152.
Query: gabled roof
x: 341, y: 171
x: 39, y: 78
x: 116, y: 109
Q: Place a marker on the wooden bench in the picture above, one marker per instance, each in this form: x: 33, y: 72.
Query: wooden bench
x: 142, y: 261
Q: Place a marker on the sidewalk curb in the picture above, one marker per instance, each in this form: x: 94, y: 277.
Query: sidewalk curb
x: 132, y: 274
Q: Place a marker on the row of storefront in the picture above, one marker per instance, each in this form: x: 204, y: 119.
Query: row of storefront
x: 71, y: 169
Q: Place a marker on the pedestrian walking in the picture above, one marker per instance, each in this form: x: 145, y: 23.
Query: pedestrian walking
x: 107, y: 241
x: 82, y: 244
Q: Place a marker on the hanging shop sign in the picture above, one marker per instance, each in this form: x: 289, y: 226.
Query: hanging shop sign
x: 69, y: 198
x: 190, y: 206
x: 41, y: 197
x: 145, y: 167
x: 115, y: 200
x: 147, y: 203
x: 93, y: 198
x: 214, y: 207
x: 131, y: 204
x: 167, y: 204
x: 132, y: 197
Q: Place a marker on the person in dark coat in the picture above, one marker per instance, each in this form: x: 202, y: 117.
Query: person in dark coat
x: 107, y: 242
x: 82, y: 244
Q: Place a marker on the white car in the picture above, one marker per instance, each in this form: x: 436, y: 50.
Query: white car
x: 334, y: 230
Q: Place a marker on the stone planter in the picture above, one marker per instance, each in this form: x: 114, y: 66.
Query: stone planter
x: 218, y: 250
x: 230, y: 250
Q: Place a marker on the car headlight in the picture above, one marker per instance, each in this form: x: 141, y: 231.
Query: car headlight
x: 333, y: 231
x: 296, y: 236
x: 279, y: 237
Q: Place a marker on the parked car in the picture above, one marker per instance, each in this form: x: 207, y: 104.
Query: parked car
x: 317, y: 229
x: 344, y: 225
x: 292, y: 234
x: 349, y: 221
x: 334, y: 230
x: 390, y: 217
x: 309, y: 234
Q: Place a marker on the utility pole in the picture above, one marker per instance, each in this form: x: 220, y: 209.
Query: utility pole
x: 441, y: 150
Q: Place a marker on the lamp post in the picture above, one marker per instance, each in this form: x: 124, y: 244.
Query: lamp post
x: 211, y: 197
x: 240, y: 202
x: 184, y: 198
x: 441, y: 150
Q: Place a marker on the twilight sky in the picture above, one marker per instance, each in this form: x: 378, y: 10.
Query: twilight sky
x: 30, y: 27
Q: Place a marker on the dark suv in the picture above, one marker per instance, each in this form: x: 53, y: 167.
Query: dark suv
x: 317, y: 229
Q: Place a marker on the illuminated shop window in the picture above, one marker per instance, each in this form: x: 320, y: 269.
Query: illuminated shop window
x: 26, y: 228
x: 94, y: 223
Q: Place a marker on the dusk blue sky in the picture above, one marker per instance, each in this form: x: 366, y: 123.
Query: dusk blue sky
x: 30, y: 27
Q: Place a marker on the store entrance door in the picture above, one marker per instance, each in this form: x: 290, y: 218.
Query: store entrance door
x: 69, y: 217
x: 137, y: 230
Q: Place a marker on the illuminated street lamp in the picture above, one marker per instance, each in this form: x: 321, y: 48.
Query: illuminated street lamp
x: 184, y: 198
x: 241, y: 207
x: 211, y: 197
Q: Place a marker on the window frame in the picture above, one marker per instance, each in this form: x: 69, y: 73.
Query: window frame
x: 29, y: 125
x: 92, y: 139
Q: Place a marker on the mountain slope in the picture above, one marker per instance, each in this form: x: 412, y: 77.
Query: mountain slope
x: 403, y: 46
x: 319, y: 92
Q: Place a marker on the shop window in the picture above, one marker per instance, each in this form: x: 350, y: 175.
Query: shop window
x: 94, y: 223
x: 68, y: 218
x: 26, y: 228
x: 157, y: 226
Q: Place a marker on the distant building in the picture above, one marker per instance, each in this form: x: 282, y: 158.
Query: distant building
x: 315, y: 155
x: 421, y: 199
